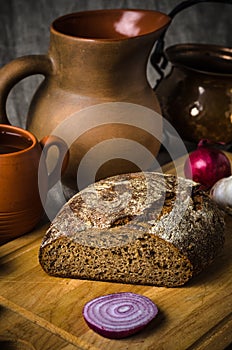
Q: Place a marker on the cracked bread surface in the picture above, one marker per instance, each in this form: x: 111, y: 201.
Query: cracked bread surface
x: 140, y: 228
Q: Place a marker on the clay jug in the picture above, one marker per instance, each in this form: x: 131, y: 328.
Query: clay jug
x: 95, y: 57
x: 195, y: 84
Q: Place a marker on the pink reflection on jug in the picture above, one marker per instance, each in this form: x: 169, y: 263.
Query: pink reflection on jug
x: 128, y: 23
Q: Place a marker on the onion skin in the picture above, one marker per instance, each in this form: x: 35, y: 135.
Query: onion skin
x: 207, y: 165
x: 119, y: 315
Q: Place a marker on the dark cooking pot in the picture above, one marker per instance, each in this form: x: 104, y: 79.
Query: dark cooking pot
x: 196, y: 94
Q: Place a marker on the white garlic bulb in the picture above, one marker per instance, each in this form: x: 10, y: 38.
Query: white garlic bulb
x: 221, y: 192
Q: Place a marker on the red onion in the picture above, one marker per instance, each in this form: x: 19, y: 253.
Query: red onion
x: 207, y: 164
x: 119, y: 315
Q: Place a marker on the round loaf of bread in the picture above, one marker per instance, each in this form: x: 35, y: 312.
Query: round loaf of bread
x: 140, y: 228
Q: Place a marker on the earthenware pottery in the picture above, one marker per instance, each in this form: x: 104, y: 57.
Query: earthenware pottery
x: 195, y: 87
x: 95, y: 57
x: 24, y: 179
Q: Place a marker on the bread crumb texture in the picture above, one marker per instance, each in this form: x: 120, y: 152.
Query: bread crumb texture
x: 141, y: 228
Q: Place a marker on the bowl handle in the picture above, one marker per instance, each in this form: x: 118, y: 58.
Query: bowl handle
x: 158, y: 58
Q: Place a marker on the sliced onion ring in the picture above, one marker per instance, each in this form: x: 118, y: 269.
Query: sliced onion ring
x: 119, y: 315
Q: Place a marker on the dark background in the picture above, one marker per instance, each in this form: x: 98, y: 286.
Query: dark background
x: 24, y: 29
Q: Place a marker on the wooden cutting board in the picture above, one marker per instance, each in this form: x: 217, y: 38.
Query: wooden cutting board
x: 45, y: 313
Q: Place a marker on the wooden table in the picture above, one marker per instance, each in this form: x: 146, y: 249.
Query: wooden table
x: 45, y: 313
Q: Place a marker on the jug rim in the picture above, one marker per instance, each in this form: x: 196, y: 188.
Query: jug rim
x: 181, y: 55
x: 163, y: 21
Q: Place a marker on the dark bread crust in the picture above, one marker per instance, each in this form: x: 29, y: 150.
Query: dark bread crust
x: 143, y: 228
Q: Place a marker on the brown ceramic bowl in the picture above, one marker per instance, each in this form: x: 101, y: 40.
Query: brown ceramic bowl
x: 196, y: 94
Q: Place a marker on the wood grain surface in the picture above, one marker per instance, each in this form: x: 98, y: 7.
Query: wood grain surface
x: 46, y: 312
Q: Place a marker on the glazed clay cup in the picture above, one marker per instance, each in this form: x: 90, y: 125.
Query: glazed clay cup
x: 22, y: 163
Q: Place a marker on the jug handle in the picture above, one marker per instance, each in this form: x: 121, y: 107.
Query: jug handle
x: 63, y: 158
x: 18, y: 69
x: 158, y: 54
